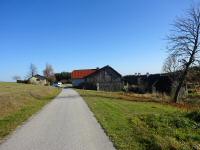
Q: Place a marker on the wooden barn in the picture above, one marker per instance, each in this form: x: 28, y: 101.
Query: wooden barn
x: 104, y: 79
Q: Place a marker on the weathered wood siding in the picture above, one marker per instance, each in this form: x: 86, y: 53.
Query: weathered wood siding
x: 106, y: 80
x: 77, y: 82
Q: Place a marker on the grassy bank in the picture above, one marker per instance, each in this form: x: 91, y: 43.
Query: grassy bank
x: 134, y: 125
x: 19, y: 101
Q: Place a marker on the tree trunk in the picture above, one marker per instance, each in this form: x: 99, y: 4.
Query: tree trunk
x: 183, y: 77
x: 180, y: 84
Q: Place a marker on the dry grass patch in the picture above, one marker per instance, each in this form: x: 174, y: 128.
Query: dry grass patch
x: 148, y: 97
x: 19, y: 101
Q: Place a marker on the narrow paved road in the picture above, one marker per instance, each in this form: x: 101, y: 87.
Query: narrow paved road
x: 64, y: 124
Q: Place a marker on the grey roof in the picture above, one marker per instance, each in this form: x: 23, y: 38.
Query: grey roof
x: 40, y: 77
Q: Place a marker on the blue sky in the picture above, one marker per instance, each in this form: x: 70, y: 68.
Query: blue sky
x: 76, y: 34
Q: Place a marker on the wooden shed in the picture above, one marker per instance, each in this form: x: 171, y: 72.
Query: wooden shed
x: 104, y: 79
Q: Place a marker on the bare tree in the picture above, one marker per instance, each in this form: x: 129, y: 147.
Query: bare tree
x: 171, y: 65
x: 49, y: 73
x: 184, y: 43
x: 16, y: 77
x: 32, y: 71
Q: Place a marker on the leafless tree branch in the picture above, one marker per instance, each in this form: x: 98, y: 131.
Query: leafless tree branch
x: 184, y: 45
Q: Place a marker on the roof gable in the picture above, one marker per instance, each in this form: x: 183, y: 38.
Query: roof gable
x: 105, y: 67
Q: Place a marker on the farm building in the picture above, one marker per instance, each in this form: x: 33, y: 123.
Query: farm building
x: 38, y: 80
x: 104, y: 79
x: 149, y: 83
x: 152, y: 83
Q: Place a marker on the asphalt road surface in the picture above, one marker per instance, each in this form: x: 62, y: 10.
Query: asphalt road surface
x: 64, y: 124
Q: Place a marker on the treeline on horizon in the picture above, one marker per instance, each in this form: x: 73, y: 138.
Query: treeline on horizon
x: 64, y: 77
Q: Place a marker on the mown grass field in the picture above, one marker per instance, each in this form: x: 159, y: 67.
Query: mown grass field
x: 19, y: 101
x: 135, y: 125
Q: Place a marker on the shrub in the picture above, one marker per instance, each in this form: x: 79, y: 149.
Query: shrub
x: 181, y: 122
x: 195, y: 115
x: 150, y: 143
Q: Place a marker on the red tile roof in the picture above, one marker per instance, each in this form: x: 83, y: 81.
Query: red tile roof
x: 80, y: 74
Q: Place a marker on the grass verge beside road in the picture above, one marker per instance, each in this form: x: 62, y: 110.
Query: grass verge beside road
x: 135, y: 125
x: 20, y: 101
